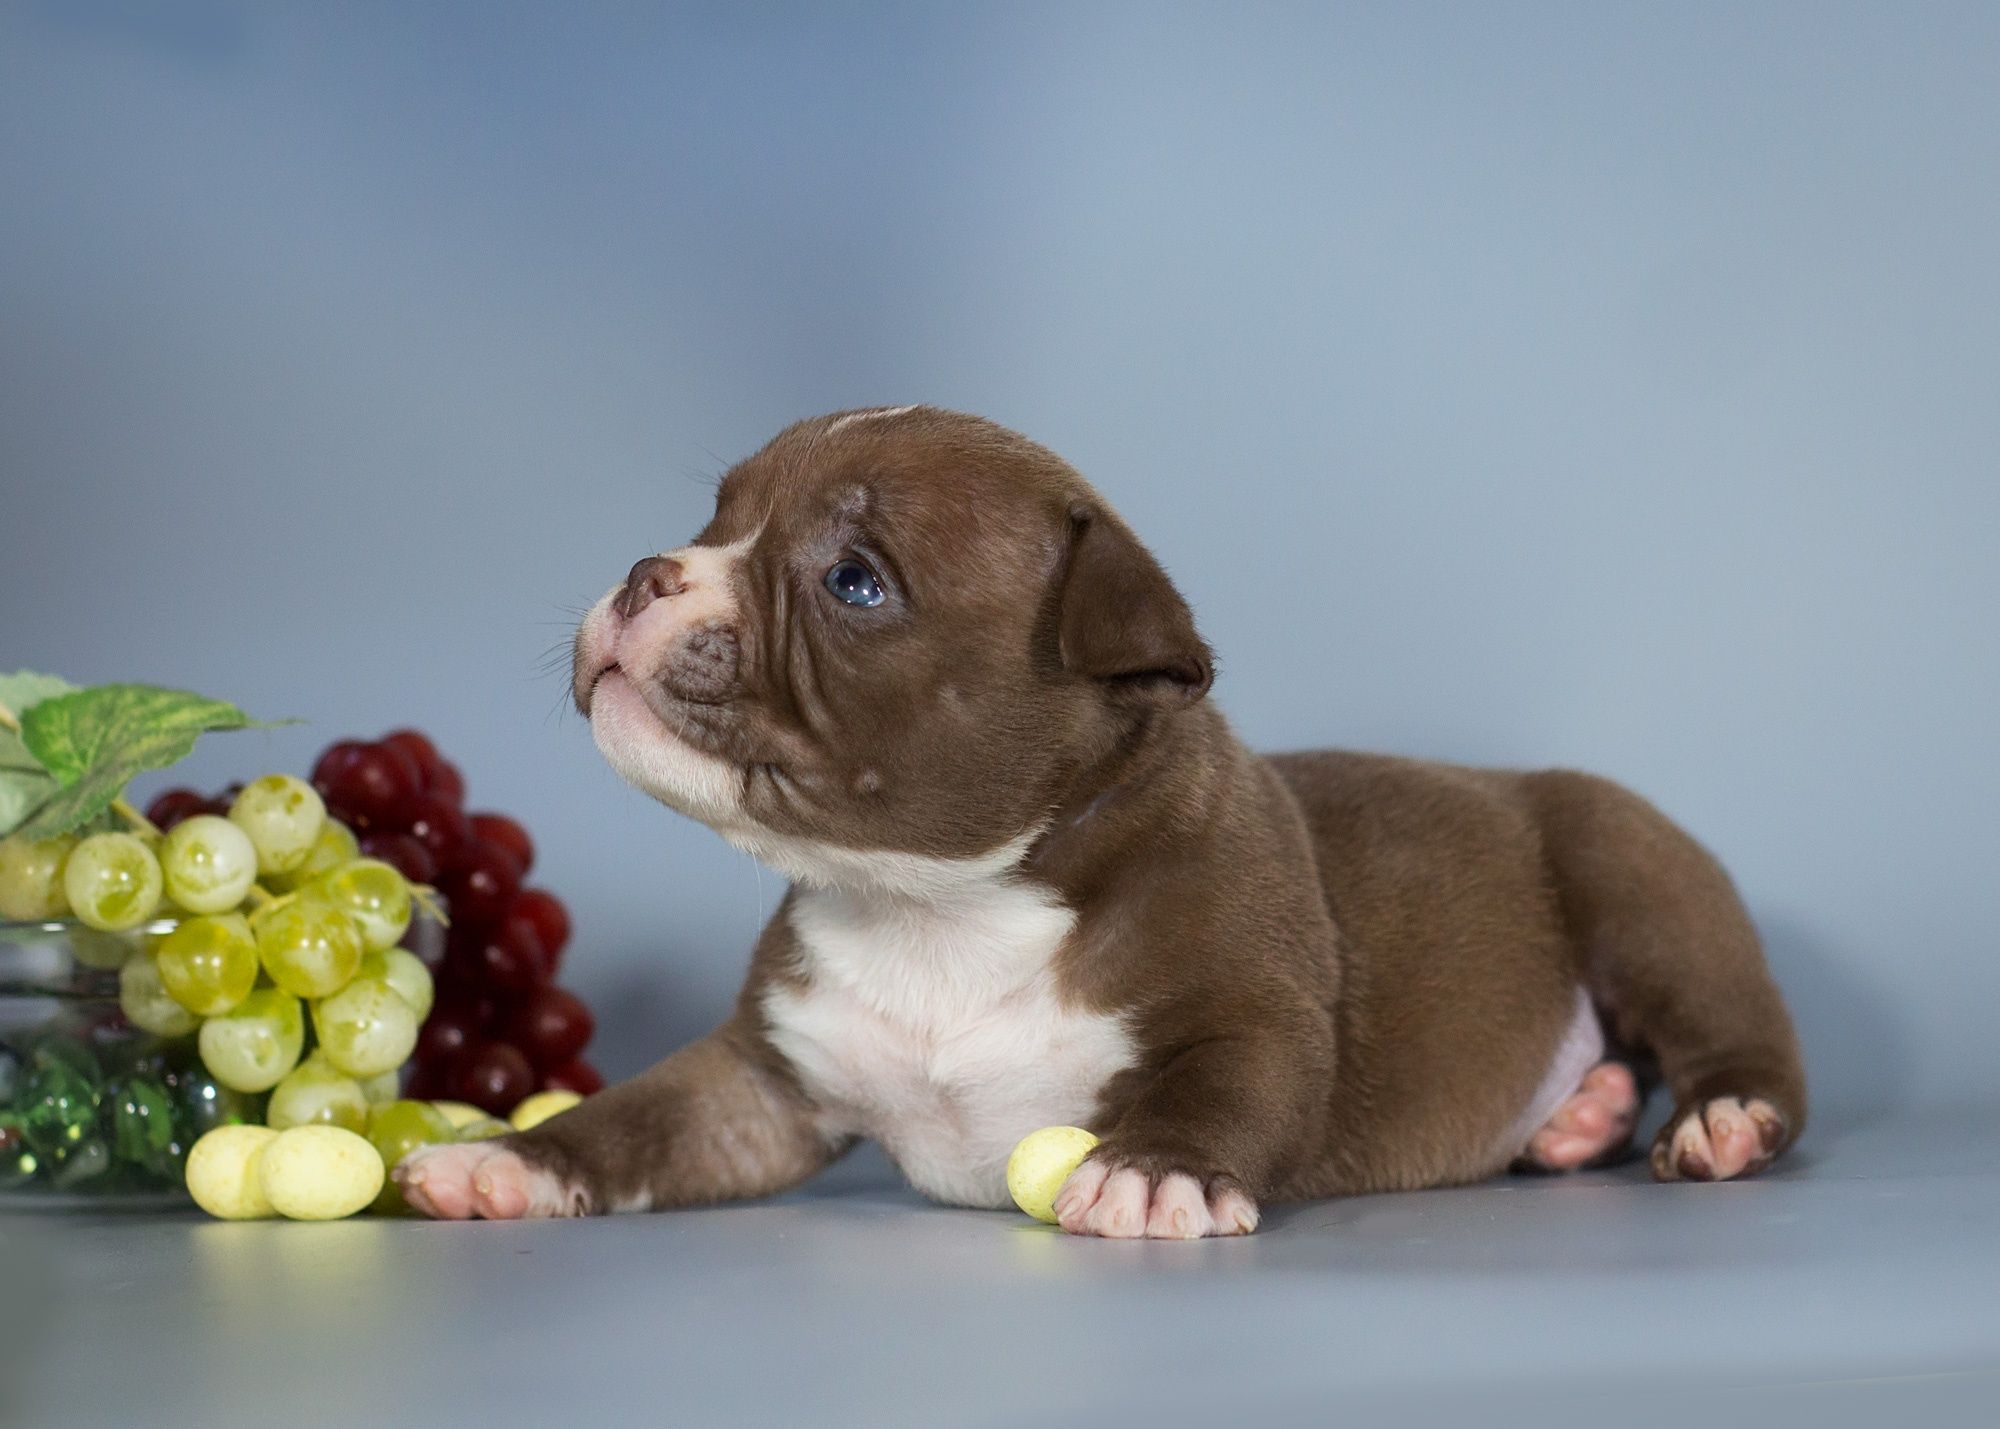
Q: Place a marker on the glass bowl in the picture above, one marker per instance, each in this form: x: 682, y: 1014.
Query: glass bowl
x: 94, y: 1112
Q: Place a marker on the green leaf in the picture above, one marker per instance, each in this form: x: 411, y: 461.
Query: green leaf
x: 24, y: 785
x: 94, y: 741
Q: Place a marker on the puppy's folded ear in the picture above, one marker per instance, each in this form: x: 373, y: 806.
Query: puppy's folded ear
x: 1120, y: 618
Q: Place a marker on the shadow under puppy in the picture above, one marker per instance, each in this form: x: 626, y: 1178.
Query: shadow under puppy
x: 919, y: 666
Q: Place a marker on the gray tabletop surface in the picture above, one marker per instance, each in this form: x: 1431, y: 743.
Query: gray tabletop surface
x: 1860, y: 1280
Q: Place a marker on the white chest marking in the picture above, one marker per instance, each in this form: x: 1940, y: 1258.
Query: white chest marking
x: 933, y: 1026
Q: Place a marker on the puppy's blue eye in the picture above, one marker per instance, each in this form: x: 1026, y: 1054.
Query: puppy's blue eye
x: 855, y: 583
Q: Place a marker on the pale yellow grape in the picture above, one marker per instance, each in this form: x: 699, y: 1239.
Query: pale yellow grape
x: 224, y: 1174
x: 112, y: 881
x: 283, y: 817
x: 461, y: 1114
x: 31, y: 877
x: 1041, y: 1162
x: 209, y: 964
x: 375, y: 895
x: 404, y: 971
x: 208, y: 863
x: 484, y: 1128
x: 382, y: 1090
x: 320, y: 1173
x: 317, y: 1093
x: 309, y: 947
x: 541, y: 1106
x: 147, y: 1004
x: 366, y: 1028
x: 335, y: 845
x: 250, y: 1047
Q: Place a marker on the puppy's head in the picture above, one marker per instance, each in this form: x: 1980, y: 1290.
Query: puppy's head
x: 904, y: 640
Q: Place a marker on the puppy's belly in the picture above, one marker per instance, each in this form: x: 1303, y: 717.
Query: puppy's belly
x: 948, y: 1099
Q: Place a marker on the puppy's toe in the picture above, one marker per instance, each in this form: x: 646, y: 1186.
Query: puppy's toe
x: 1593, y: 1123
x: 482, y: 1180
x: 1718, y: 1140
x: 1125, y: 1203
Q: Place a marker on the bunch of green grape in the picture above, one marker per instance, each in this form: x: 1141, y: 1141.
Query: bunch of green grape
x: 265, y: 935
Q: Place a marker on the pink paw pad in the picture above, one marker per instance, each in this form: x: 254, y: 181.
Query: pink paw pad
x: 1121, y: 1204
x: 1596, y: 1120
x: 482, y: 1181
x: 1719, y: 1139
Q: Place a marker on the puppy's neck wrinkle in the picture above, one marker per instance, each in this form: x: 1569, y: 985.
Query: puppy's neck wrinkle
x: 1153, y: 794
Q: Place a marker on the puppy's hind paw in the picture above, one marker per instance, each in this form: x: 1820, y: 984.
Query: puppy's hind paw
x: 482, y: 1181
x: 1126, y: 1203
x: 1719, y: 1140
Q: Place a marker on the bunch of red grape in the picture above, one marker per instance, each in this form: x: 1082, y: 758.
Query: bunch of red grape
x: 501, y: 1028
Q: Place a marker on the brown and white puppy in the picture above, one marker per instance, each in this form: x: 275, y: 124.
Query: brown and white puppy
x: 917, y: 664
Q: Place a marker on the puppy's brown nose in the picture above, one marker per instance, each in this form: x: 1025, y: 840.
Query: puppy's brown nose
x: 648, y: 581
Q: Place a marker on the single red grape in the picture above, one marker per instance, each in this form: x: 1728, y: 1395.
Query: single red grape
x: 508, y: 834
x: 332, y: 760
x: 551, y: 920
x: 169, y: 808
x: 447, y: 1032
x: 428, y: 1082
x: 552, y: 1026
x: 418, y: 746
x: 373, y: 786
x: 446, y: 782
x: 482, y: 884
x: 439, y: 825
x: 495, y: 1078
x: 578, y: 1076
x: 403, y: 852
x: 506, y: 959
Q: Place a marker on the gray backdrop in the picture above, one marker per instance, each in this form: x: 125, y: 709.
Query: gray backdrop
x: 1513, y: 384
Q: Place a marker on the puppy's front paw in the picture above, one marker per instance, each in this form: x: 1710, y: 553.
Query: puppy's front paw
x: 1104, y: 1198
x: 483, y: 1180
x: 1719, y: 1139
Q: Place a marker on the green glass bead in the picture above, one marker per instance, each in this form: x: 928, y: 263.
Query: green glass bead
x: 86, y: 1161
x: 59, y: 1106
x: 141, y: 1117
x: 201, y: 1104
x: 18, y: 1162
x: 70, y: 1052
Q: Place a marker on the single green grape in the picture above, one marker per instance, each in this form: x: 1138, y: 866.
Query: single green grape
x: 404, y: 971
x: 309, y: 947
x: 384, y: 1089
x: 335, y: 845
x: 396, y: 1130
x: 208, y: 863
x: 252, y: 1046
x: 366, y: 1028
x: 31, y: 877
x: 209, y: 964
x: 316, y: 1092
x: 374, y: 895
x: 283, y: 817
x: 112, y: 881
x: 146, y: 1003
